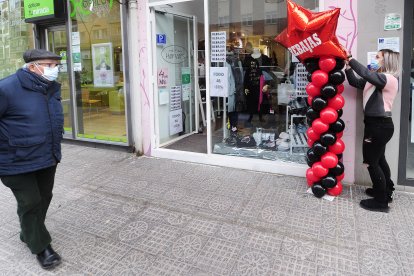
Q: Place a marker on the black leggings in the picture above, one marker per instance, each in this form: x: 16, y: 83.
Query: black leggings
x: 378, y: 131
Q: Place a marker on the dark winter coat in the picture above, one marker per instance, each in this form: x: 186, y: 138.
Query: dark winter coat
x: 31, y: 123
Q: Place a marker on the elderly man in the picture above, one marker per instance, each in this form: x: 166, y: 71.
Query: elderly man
x: 31, y: 127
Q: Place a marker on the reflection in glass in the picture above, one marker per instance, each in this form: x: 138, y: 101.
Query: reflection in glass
x: 98, y: 68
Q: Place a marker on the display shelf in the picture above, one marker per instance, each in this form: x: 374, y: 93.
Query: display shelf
x: 299, y: 140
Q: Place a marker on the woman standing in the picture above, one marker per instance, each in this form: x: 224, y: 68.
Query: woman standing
x: 380, y: 87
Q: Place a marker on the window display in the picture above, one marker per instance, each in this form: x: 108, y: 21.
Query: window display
x: 264, y: 115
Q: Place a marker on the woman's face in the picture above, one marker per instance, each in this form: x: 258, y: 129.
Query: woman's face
x: 380, y: 58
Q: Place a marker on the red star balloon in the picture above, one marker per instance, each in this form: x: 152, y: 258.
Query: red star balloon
x: 311, y: 34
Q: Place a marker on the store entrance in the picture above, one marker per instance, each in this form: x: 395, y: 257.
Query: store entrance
x: 176, y: 83
x: 56, y: 41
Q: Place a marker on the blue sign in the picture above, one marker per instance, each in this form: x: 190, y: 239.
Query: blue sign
x: 161, y: 39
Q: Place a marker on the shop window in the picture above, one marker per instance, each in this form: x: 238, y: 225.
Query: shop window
x: 258, y: 116
x: 97, y: 52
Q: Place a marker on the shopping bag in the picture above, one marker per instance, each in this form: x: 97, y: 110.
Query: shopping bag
x: 284, y: 92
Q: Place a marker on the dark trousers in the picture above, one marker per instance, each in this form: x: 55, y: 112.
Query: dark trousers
x: 377, y: 133
x: 33, y: 192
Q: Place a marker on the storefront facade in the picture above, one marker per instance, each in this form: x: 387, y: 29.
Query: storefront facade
x: 187, y: 119
x: 149, y: 74
x: 90, y: 37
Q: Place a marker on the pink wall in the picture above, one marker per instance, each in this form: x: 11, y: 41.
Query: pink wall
x: 347, y: 35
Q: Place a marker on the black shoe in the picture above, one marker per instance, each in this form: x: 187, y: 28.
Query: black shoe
x: 48, y: 258
x: 370, y: 192
x: 373, y: 205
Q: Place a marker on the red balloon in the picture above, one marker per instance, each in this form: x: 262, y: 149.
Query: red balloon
x: 319, y: 126
x: 312, y: 134
x: 320, y: 78
x: 309, y: 182
x: 338, y: 147
x: 319, y: 170
x: 328, y: 115
x: 339, y: 134
x: 340, y: 88
x: 310, y: 176
x: 329, y: 160
x: 310, y: 98
x: 311, y: 34
x: 327, y: 63
x: 340, y: 177
x: 335, y: 191
x: 337, y: 102
x: 313, y: 90
x: 310, y: 142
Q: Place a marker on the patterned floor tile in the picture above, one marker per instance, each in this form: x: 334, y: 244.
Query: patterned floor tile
x: 218, y: 256
x: 374, y: 261
x: 338, y: 258
x: 202, y: 226
x: 253, y: 263
x: 287, y: 265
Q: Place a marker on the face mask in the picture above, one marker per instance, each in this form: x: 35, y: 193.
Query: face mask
x: 374, y: 65
x: 50, y: 74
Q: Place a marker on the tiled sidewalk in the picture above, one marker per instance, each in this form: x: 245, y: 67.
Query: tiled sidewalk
x: 117, y: 214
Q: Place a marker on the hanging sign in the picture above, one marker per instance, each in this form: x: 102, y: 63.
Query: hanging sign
x: 38, y: 10
x: 161, y: 39
x: 219, y: 82
x: 392, y: 21
x: 218, y: 46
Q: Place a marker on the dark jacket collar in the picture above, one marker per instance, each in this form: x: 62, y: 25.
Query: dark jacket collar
x: 35, y: 82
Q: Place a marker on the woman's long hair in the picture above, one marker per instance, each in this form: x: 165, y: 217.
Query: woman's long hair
x: 391, y: 62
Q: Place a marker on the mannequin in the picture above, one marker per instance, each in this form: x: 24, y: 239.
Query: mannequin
x: 252, y: 84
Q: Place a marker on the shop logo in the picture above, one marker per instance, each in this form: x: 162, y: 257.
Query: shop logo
x: 174, y: 54
x: 87, y: 7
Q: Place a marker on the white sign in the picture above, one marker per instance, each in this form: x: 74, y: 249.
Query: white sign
x: 176, y: 121
x: 219, y: 82
x: 76, y: 38
x: 163, y: 96
x: 186, y: 88
x: 218, y: 46
x: 392, y: 43
x: 392, y: 21
x: 175, y: 98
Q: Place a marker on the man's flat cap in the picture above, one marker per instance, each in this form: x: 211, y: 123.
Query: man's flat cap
x: 39, y: 54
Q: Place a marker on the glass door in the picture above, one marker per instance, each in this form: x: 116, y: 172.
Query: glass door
x: 57, y: 43
x: 175, y: 81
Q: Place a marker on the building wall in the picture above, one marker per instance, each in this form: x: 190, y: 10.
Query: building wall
x: 371, y: 15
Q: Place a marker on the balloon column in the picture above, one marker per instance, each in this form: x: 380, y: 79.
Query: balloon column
x: 311, y: 38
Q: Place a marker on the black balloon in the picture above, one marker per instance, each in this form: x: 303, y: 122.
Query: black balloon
x: 310, y: 154
x: 309, y: 77
x: 328, y: 139
x: 312, y: 114
x: 337, y: 170
x: 340, y: 63
x: 337, y: 126
x: 336, y: 77
x: 340, y: 156
x: 319, y: 103
x: 328, y: 90
x: 340, y: 113
x: 318, y: 190
x: 329, y: 181
x: 319, y: 149
x: 311, y: 64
